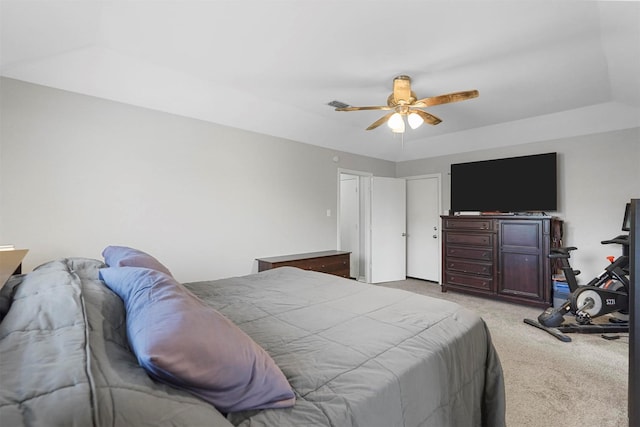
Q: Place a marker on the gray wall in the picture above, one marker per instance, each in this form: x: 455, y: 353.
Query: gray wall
x: 78, y: 173
x: 597, y: 175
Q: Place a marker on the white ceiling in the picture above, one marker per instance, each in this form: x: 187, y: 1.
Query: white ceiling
x: 544, y: 69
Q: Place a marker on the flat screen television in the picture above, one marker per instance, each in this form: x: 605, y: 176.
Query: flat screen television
x: 511, y: 185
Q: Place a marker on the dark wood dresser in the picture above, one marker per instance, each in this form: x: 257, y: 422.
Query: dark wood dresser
x: 501, y: 257
x: 331, y: 262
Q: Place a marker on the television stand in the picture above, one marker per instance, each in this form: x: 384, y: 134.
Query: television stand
x: 503, y: 257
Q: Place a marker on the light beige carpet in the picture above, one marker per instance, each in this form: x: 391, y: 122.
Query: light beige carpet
x: 549, y: 382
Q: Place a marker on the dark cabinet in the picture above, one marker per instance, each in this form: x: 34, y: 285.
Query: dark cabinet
x: 502, y: 257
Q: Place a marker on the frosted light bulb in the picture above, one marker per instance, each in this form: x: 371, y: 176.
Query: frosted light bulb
x: 396, y: 123
x: 415, y: 121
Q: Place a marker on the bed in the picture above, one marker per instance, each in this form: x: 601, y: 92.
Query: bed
x: 353, y: 354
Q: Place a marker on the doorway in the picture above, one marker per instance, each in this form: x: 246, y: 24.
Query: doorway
x: 372, y: 225
x: 423, y: 206
x: 352, y: 219
x: 349, y: 222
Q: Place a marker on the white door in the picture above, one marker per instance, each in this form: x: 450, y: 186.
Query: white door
x: 388, y: 230
x: 423, y: 224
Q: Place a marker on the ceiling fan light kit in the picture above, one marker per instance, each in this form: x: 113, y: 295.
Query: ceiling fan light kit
x: 404, y: 102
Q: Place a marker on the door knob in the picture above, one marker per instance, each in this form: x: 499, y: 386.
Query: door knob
x: 435, y: 236
x: 404, y: 234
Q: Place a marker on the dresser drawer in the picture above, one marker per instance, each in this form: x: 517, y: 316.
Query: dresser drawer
x: 470, y: 253
x: 483, y: 239
x: 476, y: 282
x: 316, y: 264
x: 327, y: 265
x: 468, y: 224
x: 471, y: 267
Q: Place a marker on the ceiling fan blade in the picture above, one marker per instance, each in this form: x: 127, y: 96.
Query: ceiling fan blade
x: 446, y: 99
x: 401, y: 89
x: 377, y: 107
x: 427, y: 117
x: 380, y: 121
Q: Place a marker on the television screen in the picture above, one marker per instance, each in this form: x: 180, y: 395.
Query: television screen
x: 515, y: 184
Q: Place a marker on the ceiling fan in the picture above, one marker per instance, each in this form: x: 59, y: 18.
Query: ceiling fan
x: 404, y: 102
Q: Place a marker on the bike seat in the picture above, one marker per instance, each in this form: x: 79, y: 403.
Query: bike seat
x: 561, y: 252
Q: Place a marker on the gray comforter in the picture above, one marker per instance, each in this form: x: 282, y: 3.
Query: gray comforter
x: 364, y: 355
x: 355, y: 354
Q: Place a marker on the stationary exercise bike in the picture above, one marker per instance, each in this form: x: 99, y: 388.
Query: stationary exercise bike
x: 604, y: 294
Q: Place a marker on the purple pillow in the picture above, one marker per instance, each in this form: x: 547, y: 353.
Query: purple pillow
x: 182, y: 341
x: 122, y: 256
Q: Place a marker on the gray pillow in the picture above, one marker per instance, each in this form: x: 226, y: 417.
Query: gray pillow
x: 182, y: 341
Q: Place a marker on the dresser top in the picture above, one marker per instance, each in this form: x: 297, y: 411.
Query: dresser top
x: 501, y: 216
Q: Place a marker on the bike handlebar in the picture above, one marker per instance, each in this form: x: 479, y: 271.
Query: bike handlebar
x: 622, y: 240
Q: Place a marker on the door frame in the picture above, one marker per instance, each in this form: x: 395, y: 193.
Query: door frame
x: 438, y: 177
